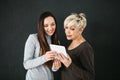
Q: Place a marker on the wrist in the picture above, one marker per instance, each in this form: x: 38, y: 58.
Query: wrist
x: 67, y: 65
x: 45, y: 57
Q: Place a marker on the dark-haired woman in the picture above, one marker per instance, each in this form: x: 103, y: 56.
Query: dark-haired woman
x: 37, y: 55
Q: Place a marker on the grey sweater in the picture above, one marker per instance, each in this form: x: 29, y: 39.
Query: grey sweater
x: 33, y: 63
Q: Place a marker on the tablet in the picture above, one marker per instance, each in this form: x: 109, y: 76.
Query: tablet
x: 58, y: 49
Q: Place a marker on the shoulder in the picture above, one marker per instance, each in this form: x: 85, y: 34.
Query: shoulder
x: 32, y: 37
x: 86, y: 47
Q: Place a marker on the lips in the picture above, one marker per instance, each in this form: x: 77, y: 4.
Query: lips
x: 68, y: 35
x: 50, y: 32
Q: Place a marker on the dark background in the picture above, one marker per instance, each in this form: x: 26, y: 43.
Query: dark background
x: 18, y: 19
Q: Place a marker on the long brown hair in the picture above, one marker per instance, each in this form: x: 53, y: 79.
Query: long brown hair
x: 44, y: 46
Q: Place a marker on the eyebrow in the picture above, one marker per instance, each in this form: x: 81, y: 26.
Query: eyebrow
x: 73, y: 26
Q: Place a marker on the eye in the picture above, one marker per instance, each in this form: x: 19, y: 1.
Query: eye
x: 72, y: 28
x: 53, y: 24
x: 65, y: 27
x: 45, y: 25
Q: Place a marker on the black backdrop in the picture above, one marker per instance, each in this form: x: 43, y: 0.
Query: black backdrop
x: 18, y: 18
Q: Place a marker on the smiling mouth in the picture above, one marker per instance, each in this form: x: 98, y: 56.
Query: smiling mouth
x: 50, y: 32
x: 68, y: 35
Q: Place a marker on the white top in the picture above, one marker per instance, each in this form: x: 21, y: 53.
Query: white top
x: 33, y: 63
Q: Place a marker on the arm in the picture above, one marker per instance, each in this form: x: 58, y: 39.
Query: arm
x: 83, y: 71
x: 86, y: 58
x: 86, y: 68
x: 29, y: 60
x: 56, y: 65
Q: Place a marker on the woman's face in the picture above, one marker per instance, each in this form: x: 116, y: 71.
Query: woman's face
x: 72, y: 32
x: 49, y: 25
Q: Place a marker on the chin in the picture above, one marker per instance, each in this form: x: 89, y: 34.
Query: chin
x: 50, y: 34
x: 68, y: 38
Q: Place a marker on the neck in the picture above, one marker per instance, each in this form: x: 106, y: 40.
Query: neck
x: 80, y: 39
x: 76, y: 42
x: 48, y: 39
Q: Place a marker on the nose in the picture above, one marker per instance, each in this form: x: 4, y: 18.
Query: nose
x: 67, y: 31
x: 50, y: 27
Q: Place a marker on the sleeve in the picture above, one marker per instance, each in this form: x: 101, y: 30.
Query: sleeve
x: 53, y: 69
x: 29, y: 51
x: 86, y: 70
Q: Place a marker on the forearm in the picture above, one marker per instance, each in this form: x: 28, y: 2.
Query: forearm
x: 32, y: 63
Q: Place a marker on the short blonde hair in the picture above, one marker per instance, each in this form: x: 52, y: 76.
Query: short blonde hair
x: 77, y: 20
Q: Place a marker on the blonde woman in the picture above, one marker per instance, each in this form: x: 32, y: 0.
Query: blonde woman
x: 79, y: 65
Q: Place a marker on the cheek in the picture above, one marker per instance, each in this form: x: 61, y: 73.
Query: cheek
x: 45, y: 30
x: 77, y: 34
x: 74, y: 34
x: 54, y: 27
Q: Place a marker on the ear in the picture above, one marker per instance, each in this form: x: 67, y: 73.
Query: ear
x: 81, y: 30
